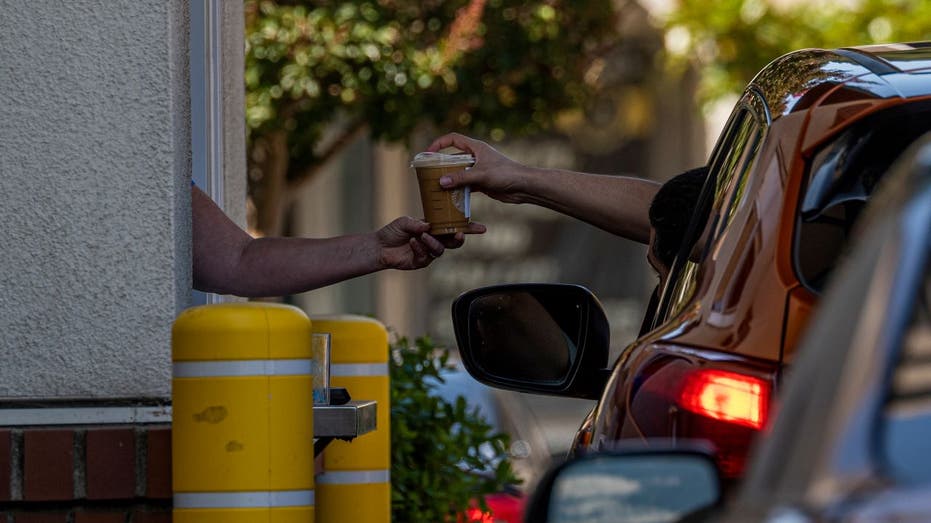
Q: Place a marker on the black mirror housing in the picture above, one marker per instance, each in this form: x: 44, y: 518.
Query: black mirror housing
x: 534, y: 337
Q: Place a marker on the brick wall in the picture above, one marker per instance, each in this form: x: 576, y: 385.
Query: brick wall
x: 86, y: 474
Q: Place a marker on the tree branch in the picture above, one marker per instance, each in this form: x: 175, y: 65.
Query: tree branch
x: 274, y: 166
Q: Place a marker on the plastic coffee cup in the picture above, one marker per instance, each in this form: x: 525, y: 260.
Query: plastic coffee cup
x: 447, y: 211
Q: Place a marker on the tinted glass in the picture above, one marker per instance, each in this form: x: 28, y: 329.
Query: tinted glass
x: 842, y: 177
x: 729, y: 176
x: 731, y: 188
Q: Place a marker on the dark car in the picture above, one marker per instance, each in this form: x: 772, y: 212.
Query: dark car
x: 852, y: 438
x: 799, y: 157
x: 507, y: 413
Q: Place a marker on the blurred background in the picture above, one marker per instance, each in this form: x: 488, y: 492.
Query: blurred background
x: 340, y: 96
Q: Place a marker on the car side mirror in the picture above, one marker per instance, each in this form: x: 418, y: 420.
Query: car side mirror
x: 534, y: 337
x: 660, y: 486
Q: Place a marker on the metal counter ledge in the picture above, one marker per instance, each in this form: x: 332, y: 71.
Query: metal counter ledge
x: 346, y: 421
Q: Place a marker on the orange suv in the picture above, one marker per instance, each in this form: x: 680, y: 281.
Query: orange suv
x: 803, y: 148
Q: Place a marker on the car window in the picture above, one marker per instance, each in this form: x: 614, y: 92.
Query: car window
x: 726, y: 186
x: 841, y: 177
x: 731, y: 187
x: 906, y: 441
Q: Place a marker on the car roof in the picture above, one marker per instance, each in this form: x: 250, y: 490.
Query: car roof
x: 904, y: 57
x: 800, y: 79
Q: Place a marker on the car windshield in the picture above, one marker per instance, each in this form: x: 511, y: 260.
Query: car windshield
x: 842, y: 176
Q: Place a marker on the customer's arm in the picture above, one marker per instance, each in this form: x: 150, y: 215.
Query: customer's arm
x: 617, y: 204
x: 227, y: 260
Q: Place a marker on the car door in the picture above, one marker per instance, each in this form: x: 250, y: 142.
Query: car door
x: 853, y: 436
x: 639, y: 399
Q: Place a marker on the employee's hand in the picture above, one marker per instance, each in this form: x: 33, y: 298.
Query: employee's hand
x: 405, y: 243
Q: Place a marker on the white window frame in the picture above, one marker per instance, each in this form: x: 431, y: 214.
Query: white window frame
x: 206, y: 70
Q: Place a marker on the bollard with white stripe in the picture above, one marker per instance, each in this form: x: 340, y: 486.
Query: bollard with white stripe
x: 356, y: 484
x: 242, y: 415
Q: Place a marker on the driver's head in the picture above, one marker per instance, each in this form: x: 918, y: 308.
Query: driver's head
x: 670, y: 213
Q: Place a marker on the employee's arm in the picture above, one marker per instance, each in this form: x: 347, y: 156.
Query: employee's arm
x: 227, y: 260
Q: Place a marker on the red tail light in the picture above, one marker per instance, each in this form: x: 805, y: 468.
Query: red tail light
x: 475, y: 515
x: 502, y: 508
x: 726, y: 396
x: 726, y: 405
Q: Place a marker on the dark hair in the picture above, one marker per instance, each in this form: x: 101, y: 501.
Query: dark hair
x: 671, y: 211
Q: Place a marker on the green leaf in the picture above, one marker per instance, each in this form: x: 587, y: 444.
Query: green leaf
x: 431, y: 439
x: 730, y: 41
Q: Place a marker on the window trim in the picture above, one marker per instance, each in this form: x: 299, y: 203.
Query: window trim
x: 206, y: 90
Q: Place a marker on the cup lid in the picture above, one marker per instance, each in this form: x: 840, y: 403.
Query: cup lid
x: 427, y: 159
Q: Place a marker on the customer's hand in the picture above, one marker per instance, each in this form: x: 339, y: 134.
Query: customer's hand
x: 405, y: 243
x: 493, y: 173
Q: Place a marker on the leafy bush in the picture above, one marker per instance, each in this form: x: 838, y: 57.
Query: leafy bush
x: 437, y: 465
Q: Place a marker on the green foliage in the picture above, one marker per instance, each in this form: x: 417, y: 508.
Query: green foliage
x: 434, y: 443
x: 489, y: 67
x: 733, y: 39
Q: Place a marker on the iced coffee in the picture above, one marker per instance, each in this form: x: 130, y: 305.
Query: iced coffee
x: 447, y: 211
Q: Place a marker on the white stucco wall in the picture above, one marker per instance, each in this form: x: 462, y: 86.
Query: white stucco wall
x: 94, y: 181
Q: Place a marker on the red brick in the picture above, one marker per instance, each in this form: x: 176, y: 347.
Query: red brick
x: 40, y: 517
x: 111, y: 463
x: 6, y: 463
x: 48, y: 463
x: 151, y: 517
x: 98, y: 516
x: 158, y: 464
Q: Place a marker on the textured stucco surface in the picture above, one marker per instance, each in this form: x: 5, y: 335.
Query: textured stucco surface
x: 94, y: 170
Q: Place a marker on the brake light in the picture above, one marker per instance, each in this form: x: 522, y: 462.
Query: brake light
x: 726, y: 396
x: 721, y: 404
x: 475, y: 515
x: 502, y: 508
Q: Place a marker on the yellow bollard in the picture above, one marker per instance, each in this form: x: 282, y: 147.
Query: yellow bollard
x: 356, y: 483
x: 242, y: 415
